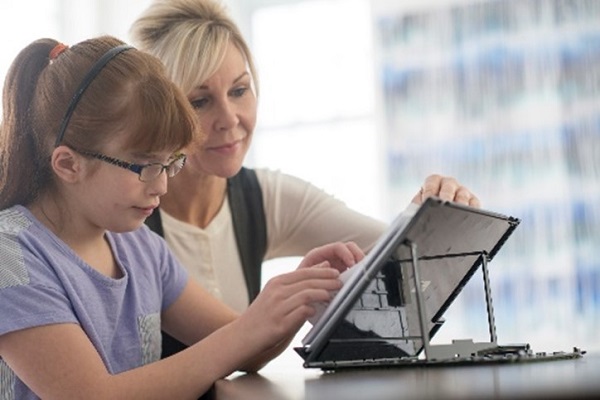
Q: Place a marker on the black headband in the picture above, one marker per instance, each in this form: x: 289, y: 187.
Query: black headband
x: 91, y: 75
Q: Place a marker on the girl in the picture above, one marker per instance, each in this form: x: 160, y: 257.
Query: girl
x: 89, y: 136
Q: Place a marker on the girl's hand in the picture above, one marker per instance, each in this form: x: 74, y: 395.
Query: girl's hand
x: 287, y: 301
x: 340, y: 256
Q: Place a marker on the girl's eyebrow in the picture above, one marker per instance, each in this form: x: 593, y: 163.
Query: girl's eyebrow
x: 138, y: 155
x: 153, y: 156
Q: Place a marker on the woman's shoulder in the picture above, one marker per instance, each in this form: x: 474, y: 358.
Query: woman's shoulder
x: 277, y: 179
x: 283, y: 192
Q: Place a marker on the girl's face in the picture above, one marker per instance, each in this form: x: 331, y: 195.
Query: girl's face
x: 226, y: 106
x: 113, y: 197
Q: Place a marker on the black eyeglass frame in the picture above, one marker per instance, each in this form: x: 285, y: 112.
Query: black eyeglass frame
x: 139, y: 168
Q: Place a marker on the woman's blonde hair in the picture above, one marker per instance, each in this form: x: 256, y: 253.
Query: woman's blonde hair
x: 190, y: 37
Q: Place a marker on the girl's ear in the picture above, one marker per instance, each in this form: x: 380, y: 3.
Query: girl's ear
x: 67, y: 164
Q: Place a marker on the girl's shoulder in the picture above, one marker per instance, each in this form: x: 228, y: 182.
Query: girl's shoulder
x: 14, y: 220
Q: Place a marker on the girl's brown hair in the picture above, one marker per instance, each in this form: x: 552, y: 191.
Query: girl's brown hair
x: 131, y: 95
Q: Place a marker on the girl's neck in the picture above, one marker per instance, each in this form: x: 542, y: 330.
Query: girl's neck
x: 196, y: 200
x: 90, y: 244
x: 61, y: 221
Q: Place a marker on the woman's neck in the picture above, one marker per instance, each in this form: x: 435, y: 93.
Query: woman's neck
x: 194, y: 200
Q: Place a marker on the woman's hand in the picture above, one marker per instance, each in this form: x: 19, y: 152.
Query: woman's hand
x: 446, y: 188
x: 340, y: 256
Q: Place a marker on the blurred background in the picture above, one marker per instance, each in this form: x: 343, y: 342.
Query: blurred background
x: 365, y: 98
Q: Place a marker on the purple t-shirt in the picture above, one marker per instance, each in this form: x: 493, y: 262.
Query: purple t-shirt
x: 42, y: 281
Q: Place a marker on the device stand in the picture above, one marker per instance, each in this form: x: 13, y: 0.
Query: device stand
x: 458, y: 348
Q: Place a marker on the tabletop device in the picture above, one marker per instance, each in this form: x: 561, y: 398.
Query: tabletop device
x: 392, y: 302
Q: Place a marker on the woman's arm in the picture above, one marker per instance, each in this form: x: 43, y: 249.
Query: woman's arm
x: 301, y: 216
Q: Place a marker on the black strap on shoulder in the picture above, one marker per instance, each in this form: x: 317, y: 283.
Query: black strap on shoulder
x: 249, y: 223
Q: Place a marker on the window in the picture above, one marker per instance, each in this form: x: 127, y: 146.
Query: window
x: 316, y: 111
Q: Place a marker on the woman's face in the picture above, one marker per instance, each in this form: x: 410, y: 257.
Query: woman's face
x: 226, y: 107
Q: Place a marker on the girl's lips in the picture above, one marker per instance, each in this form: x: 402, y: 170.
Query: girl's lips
x: 147, y: 210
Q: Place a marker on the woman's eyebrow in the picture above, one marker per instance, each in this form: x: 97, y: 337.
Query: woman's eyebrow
x: 242, y: 75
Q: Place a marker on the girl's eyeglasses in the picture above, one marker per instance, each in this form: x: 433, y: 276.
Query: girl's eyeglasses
x: 146, y: 172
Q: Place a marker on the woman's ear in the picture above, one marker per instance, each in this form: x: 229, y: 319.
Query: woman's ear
x: 67, y: 164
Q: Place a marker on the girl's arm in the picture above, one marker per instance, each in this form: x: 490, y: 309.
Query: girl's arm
x: 338, y: 256
x: 59, y: 361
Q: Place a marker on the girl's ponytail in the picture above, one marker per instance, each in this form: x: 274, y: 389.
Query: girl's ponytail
x: 22, y: 170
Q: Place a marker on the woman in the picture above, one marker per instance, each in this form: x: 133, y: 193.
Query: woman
x: 85, y: 287
x: 217, y: 213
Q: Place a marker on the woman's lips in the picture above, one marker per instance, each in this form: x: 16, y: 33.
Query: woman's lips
x: 226, y: 149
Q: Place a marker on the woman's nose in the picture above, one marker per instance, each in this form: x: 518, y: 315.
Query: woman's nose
x: 227, y: 117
